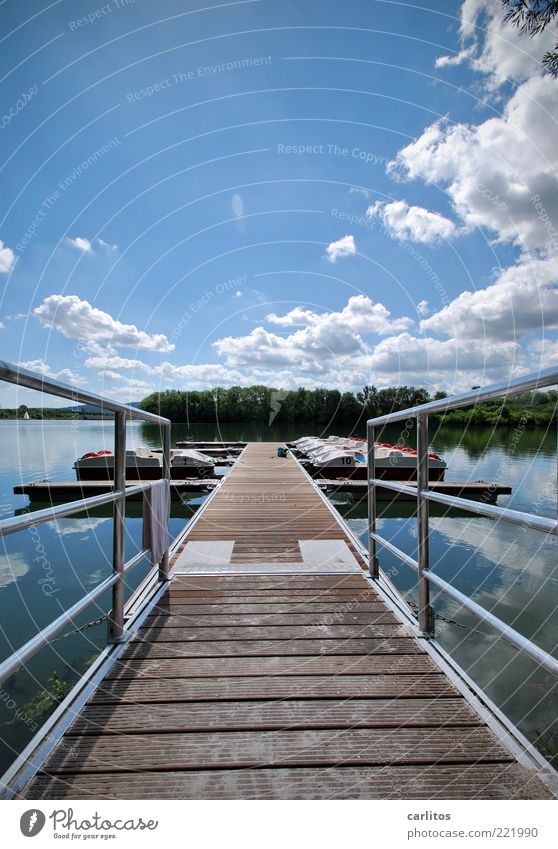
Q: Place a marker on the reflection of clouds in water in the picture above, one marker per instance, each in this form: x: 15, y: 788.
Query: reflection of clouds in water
x: 63, y: 527
x: 95, y: 577
x: 12, y: 567
x: 509, y: 547
x: 511, y: 679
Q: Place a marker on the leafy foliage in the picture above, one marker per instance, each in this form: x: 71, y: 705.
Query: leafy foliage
x: 532, y: 17
x: 255, y: 404
x: 45, y: 701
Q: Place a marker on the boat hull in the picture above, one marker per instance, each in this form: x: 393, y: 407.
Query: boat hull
x: 360, y: 472
x: 147, y: 473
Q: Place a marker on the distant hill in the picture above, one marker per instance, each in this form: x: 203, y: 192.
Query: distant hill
x: 93, y: 409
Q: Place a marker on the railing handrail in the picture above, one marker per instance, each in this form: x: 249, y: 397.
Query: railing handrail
x: 117, y: 495
x: 39, y: 382
x: 424, y: 495
x: 527, y: 383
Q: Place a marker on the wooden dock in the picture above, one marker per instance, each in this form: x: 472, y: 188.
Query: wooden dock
x: 273, y: 668
x: 57, y: 492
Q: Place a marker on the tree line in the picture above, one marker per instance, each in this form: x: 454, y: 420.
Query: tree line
x: 265, y: 405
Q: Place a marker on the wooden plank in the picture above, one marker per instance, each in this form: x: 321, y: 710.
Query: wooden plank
x: 171, y: 690
x: 238, y: 716
x: 216, y: 667
x: 245, y: 648
x: 165, y: 620
x: 229, y: 750
x: 268, y: 597
x: 277, y: 609
x: 263, y: 582
x: 480, y: 781
x: 271, y: 632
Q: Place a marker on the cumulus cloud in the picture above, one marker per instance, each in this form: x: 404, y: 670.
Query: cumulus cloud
x: 319, y: 339
x: 543, y: 353
x: 496, y: 48
x: 360, y: 315
x: 7, y: 258
x: 501, y: 174
x: 77, y: 319
x: 296, y: 317
x: 524, y: 297
x: 342, y: 247
x: 65, y: 375
x: 423, y: 308
x: 406, y: 353
x: 81, y: 244
x: 413, y: 223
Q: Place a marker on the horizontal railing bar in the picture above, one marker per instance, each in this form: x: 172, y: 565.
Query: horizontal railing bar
x: 397, y: 551
x: 492, y: 511
x: 12, y: 663
x: 523, y: 643
x: 49, y: 514
x: 32, y: 380
x: 137, y: 558
x: 396, y: 486
x: 59, y: 511
x: 545, y: 377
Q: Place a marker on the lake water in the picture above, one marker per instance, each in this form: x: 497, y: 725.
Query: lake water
x: 510, y: 570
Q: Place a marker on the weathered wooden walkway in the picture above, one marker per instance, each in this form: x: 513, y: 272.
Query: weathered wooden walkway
x: 272, y: 669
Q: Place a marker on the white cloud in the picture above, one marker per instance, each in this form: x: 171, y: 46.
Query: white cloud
x: 82, y: 244
x: 497, y: 49
x: 65, y: 375
x: 342, y: 247
x: 523, y: 298
x: 360, y: 315
x: 320, y: 339
x: 497, y: 172
x: 132, y: 390
x: 113, y: 362
x: 106, y: 246
x: 6, y: 258
x: 2, y: 326
x: 425, y: 355
x: 423, y: 308
x: 107, y: 374
x: 77, y: 319
x: 544, y: 353
x: 296, y: 317
x: 413, y: 223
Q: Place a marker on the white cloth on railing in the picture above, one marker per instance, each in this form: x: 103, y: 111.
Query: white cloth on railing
x: 156, y: 512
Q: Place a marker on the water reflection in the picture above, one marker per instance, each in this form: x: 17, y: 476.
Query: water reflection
x: 507, y: 569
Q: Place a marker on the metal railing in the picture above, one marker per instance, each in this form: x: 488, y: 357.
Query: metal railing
x: 425, y: 576
x: 31, y: 380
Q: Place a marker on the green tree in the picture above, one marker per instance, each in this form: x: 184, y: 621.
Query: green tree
x: 532, y: 17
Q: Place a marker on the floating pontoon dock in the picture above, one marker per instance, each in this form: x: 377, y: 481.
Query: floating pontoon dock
x: 272, y: 666
x: 54, y: 492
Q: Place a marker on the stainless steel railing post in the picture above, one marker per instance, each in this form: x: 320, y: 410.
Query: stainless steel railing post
x: 164, y: 564
x: 425, y: 612
x: 373, y: 562
x: 116, y: 616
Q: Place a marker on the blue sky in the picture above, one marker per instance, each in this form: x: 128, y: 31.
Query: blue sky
x: 321, y: 194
